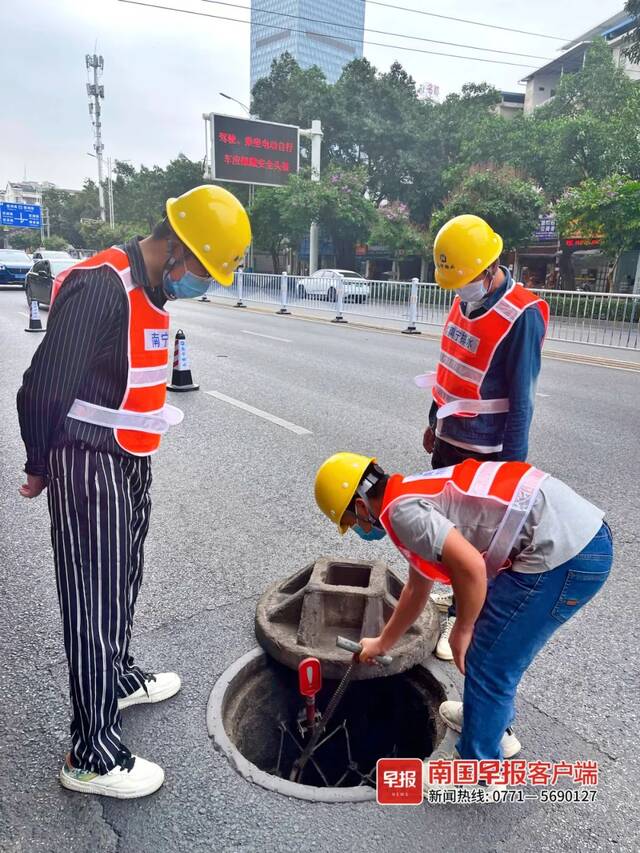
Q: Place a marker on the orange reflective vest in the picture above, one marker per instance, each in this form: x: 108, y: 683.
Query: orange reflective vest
x: 143, y: 416
x: 467, y: 349
x: 512, y: 485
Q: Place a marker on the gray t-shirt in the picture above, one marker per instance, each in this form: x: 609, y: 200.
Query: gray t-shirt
x: 559, y: 525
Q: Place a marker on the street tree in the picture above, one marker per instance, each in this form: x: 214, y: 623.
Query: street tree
x: 339, y: 205
x: 270, y: 232
x: 99, y: 235
x: 395, y: 230
x: 510, y: 203
x: 140, y: 194
x: 608, y: 209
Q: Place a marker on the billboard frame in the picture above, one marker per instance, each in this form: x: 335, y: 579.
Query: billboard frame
x: 212, y: 123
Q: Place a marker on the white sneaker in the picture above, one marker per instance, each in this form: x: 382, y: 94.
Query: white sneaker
x: 157, y: 687
x: 451, y: 713
x: 442, y: 600
x: 131, y: 777
x: 443, y: 649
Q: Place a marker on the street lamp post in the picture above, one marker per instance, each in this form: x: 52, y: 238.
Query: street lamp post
x: 315, y: 132
x: 236, y: 101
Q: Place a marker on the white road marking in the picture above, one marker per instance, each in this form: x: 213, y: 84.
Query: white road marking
x: 260, y: 335
x: 247, y: 408
x: 538, y: 394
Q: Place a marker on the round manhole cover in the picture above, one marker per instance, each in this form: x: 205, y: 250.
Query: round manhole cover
x: 254, y: 712
x: 301, y: 616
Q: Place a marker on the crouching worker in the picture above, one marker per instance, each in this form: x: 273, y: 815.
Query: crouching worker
x: 522, y: 551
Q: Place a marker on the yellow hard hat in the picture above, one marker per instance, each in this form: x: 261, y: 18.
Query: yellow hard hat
x: 213, y: 224
x: 336, y: 482
x: 464, y: 247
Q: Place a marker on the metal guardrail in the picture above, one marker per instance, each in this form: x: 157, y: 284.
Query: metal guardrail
x: 598, y: 319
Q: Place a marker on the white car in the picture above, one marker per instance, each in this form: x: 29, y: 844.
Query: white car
x: 324, y: 284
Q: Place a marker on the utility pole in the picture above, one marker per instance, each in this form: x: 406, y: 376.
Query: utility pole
x: 315, y: 132
x: 95, y: 91
x: 112, y: 217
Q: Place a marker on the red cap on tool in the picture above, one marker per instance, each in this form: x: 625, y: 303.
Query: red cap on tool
x: 309, y: 676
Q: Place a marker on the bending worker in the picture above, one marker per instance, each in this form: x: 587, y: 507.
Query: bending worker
x: 484, y: 385
x: 523, y: 552
x: 92, y: 412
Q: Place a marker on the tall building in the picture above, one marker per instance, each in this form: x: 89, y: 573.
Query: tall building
x: 304, y: 34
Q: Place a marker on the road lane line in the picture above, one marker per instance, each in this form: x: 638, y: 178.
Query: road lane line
x: 260, y: 335
x: 538, y: 394
x: 267, y: 417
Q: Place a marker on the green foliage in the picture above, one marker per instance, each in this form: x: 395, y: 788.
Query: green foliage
x: 99, y: 235
x: 509, y: 203
x: 66, y: 210
x: 55, y: 243
x: 395, y: 230
x: 337, y: 203
x: 140, y: 194
x: 633, y: 51
x: 290, y: 94
x: 22, y: 238
x: 609, y: 209
x: 270, y: 233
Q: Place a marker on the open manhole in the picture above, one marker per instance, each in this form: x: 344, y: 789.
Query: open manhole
x: 301, y: 615
x: 253, y: 716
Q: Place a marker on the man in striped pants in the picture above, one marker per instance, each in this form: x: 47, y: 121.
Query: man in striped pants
x: 92, y: 411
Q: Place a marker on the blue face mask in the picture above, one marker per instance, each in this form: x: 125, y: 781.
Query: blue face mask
x: 188, y: 286
x: 373, y: 535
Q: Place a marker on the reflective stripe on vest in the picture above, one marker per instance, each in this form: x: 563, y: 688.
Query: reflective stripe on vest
x: 514, y: 485
x: 142, y: 417
x: 466, y: 351
x: 154, y: 422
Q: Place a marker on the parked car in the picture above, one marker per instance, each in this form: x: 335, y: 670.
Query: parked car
x: 324, y: 284
x: 41, y: 276
x: 14, y: 266
x: 50, y: 255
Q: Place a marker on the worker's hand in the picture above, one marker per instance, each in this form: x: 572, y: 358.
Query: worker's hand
x: 33, y: 486
x: 429, y: 440
x: 371, y: 648
x: 460, y: 640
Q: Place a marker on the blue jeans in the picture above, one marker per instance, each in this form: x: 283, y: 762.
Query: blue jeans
x: 519, y: 615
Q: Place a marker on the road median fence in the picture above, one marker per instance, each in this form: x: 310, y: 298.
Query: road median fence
x: 598, y: 319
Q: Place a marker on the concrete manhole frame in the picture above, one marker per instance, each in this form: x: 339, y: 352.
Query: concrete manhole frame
x: 215, y: 725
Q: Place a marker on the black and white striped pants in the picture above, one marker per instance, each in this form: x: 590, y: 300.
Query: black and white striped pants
x: 99, y: 505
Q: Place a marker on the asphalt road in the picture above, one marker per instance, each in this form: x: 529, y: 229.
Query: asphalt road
x: 233, y: 511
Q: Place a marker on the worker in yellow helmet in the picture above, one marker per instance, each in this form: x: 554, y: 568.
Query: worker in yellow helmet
x: 483, y: 388
x: 92, y: 411
x: 522, y: 550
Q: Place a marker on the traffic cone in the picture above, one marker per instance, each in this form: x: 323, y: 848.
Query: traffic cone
x: 181, y: 379
x: 35, y: 323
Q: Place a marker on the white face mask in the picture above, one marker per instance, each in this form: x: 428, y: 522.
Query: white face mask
x: 473, y: 292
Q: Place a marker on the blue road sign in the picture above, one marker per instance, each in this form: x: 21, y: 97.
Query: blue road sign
x: 20, y: 215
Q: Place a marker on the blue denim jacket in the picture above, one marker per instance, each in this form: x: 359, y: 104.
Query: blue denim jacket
x: 513, y: 373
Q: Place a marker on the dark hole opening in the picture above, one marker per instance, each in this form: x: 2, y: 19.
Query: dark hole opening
x: 377, y: 718
x: 341, y: 574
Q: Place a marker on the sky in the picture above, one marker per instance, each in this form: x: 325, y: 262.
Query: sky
x: 163, y: 69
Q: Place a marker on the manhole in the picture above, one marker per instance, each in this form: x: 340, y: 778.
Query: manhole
x: 253, y: 718
x: 301, y: 616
